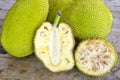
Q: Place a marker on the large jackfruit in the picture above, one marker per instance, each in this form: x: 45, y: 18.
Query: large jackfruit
x: 87, y: 18
x: 20, y: 25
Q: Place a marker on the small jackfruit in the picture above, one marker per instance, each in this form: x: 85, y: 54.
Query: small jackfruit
x: 95, y: 57
x: 54, y: 46
x: 20, y: 25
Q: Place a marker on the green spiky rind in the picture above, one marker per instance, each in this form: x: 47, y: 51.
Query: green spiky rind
x: 90, y: 74
x: 89, y: 22
x: 88, y: 18
x: 20, y: 24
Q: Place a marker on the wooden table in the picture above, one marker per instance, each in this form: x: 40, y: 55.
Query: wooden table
x: 30, y: 68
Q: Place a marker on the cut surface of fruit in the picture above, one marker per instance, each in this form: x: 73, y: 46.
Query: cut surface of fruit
x: 54, y: 46
x: 95, y: 57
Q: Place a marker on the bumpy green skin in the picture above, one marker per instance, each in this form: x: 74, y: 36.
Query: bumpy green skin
x: 88, y: 18
x: 20, y: 25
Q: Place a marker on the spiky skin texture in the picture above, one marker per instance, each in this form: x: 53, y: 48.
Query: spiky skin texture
x: 20, y: 25
x: 113, y: 56
x: 88, y: 18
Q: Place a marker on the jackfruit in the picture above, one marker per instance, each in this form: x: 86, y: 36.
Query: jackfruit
x: 88, y: 18
x: 54, y: 46
x: 95, y: 57
x: 20, y: 25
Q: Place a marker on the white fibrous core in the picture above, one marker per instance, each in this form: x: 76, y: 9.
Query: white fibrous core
x: 54, y: 47
x: 96, y: 56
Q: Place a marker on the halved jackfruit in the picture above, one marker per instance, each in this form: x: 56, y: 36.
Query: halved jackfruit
x: 95, y: 57
x: 54, y: 46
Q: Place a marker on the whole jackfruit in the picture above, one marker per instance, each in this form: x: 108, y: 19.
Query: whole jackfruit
x: 88, y: 18
x: 20, y: 25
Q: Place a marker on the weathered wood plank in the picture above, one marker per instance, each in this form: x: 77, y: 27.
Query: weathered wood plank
x: 30, y: 68
x: 3, y: 13
x: 1, y: 25
x: 5, y: 5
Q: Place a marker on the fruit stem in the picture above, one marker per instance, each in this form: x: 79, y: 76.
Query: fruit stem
x: 57, y: 19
